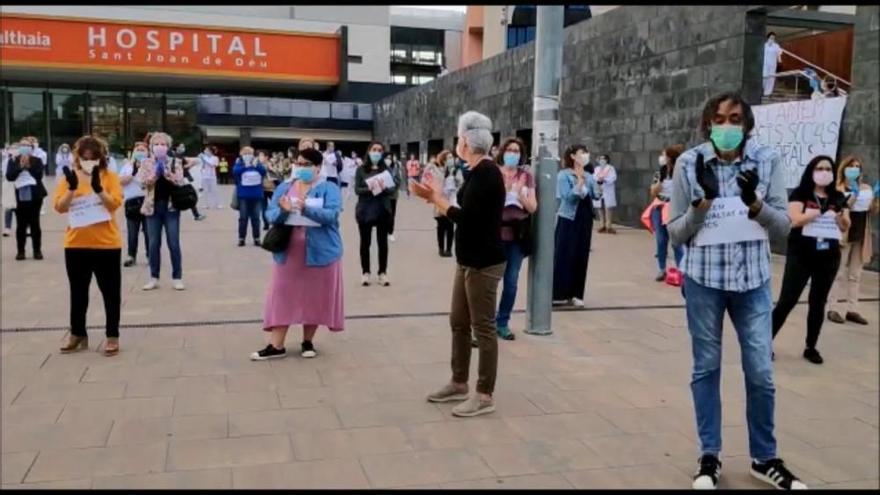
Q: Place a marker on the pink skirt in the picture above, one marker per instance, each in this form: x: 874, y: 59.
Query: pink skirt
x: 304, y: 295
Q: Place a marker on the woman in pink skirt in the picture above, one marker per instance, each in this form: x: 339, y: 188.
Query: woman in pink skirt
x: 306, y: 286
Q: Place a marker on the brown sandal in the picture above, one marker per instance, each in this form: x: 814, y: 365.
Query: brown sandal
x: 111, y: 346
x: 74, y: 344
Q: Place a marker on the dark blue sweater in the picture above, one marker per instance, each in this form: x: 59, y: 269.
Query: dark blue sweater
x: 248, y: 192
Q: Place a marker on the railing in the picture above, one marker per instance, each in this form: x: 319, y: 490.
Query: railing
x: 283, y: 107
x: 797, y: 74
x: 820, y: 69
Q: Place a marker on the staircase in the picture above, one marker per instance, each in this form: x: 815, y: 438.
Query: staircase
x: 794, y: 85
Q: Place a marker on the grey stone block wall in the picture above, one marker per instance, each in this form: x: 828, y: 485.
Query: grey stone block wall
x: 860, y: 133
x: 634, y: 81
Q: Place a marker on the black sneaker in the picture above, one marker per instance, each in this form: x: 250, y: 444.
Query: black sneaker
x: 856, y: 318
x: 129, y: 262
x: 19, y: 256
x: 257, y: 242
x: 308, y: 350
x: 38, y: 255
x: 813, y: 356
x: 270, y: 352
x: 708, y: 473
x: 775, y: 474
x: 240, y: 242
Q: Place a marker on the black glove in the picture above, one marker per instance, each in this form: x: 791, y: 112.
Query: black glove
x: 96, y: 180
x: 748, y: 182
x: 707, y: 179
x: 840, y: 202
x: 72, y: 179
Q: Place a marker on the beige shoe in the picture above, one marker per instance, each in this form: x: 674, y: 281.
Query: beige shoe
x: 111, y: 347
x: 474, y: 406
x: 75, y: 344
x: 448, y: 393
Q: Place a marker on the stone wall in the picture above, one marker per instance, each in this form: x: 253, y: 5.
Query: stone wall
x: 861, y: 119
x: 633, y: 81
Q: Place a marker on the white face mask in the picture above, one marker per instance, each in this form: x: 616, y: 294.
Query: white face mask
x: 586, y: 159
x: 662, y: 160
x: 88, y: 165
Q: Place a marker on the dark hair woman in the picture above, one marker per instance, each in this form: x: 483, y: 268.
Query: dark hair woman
x: 447, y: 177
x: 519, y: 205
x: 575, y: 189
x: 92, y: 243
x: 375, y: 186
x: 26, y: 173
x: 813, y: 253
x: 661, y: 193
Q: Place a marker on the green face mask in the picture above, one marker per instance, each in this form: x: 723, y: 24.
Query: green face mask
x: 726, y: 137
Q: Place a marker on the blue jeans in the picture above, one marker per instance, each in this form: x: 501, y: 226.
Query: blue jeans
x: 170, y: 220
x: 661, y: 235
x: 8, y: 215
x: 514, y: 256
x: 750, y: 313
x: 249, y: 209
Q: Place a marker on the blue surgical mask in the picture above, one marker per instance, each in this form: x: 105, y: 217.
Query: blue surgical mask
x: 24, y: 150
x: 375, y: 156
x: 139, y: 155
x: 305, y: 174
x: 450, y: 162
x: 511, y: 160
x: 247, y: 158
x: 852, y: 173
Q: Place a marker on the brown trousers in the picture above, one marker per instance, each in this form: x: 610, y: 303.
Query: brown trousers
x: 473, y: 305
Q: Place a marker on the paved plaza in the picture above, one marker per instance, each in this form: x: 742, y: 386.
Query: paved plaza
x: 602, y: 403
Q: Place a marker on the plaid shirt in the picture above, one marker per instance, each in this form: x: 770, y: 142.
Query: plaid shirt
x: 738, y: 266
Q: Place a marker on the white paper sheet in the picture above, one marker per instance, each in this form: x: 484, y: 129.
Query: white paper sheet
x: 728, y: 222
x: 823, y: 227
x: 298, y: 219
x: 87, y: 210
x: 251, y: 178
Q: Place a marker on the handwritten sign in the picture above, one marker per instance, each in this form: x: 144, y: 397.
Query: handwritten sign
x: 823, y: 227
x: 727, y: 222
x: 87, y: 210
x: 25, y: 179
x: 251, y: 178
x: 300, y: 220
x: 799, y: 131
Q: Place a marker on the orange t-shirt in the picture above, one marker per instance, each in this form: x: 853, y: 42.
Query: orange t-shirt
x: 101, y: 235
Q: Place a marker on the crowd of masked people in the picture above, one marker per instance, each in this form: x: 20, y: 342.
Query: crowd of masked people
x: 483, y: 199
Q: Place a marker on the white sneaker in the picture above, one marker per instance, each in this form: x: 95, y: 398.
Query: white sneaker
x: 391, y: 238
x: 578, y: 303
x: 561, y: 302
x: 151, y: 285
x: 383, y: 280
x: 177, y: 284
x: 365, y: 279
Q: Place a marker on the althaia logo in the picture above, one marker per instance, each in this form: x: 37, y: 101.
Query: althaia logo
x: 20, y: 39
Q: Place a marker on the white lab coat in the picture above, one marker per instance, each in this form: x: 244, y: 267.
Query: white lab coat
x: 771, y: 57
x: 8, y: 191
x: 609, y: 194
x: 63, y: 160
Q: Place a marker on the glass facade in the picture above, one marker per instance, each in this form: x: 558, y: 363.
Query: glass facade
x: 26, y: 114
x: 67, y: 110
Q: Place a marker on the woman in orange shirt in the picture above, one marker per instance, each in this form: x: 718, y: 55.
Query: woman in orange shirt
x: 90, y: 195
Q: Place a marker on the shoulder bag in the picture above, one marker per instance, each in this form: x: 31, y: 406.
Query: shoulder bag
x: 277, y: 238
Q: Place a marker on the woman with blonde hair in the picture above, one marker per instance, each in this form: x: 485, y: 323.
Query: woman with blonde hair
x: 133, y: 194
x: 855, y: 245
x: 160, y: 174
x: 92, y: 243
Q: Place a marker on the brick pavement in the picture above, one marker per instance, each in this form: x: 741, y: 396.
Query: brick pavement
x: 604, y: 402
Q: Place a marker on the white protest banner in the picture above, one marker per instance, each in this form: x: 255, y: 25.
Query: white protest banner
x: 799, y: 131
x: 87, y: 210
x: 727, y: 221
x: 823, y: 227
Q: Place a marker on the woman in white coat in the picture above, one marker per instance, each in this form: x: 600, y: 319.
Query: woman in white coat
x: 606, y: 178
x: 63, y: 158
x: 772, y: 57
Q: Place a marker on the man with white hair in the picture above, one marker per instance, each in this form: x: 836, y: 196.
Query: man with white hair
x: 480, y: 257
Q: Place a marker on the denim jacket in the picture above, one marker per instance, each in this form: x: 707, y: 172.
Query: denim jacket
x: 568, y: 196
x: 324, y: 243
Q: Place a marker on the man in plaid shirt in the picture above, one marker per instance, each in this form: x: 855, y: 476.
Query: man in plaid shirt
x: 732, y: 276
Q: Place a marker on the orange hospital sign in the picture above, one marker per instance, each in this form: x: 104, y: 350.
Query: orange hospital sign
x: 116, y: 46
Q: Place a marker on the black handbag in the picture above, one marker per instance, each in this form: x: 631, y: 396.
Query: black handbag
x: 277, y: 238
x: 184, y: 197
x: 133, y: 208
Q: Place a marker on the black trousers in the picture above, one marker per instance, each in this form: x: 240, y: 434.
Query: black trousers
x: 105, y: 265
x: 134, y: 227
x: 819, y: 268
x: 366, y: 231
x: 572, y: 253
x: 27, y: 215
x: 393, y: 216
x: 445, y: 233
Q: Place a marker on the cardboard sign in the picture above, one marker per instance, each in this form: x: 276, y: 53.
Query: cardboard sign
x: 823, y: 227
x: 728, y: 222
x: 87, y: 210
x: 799, y: 131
